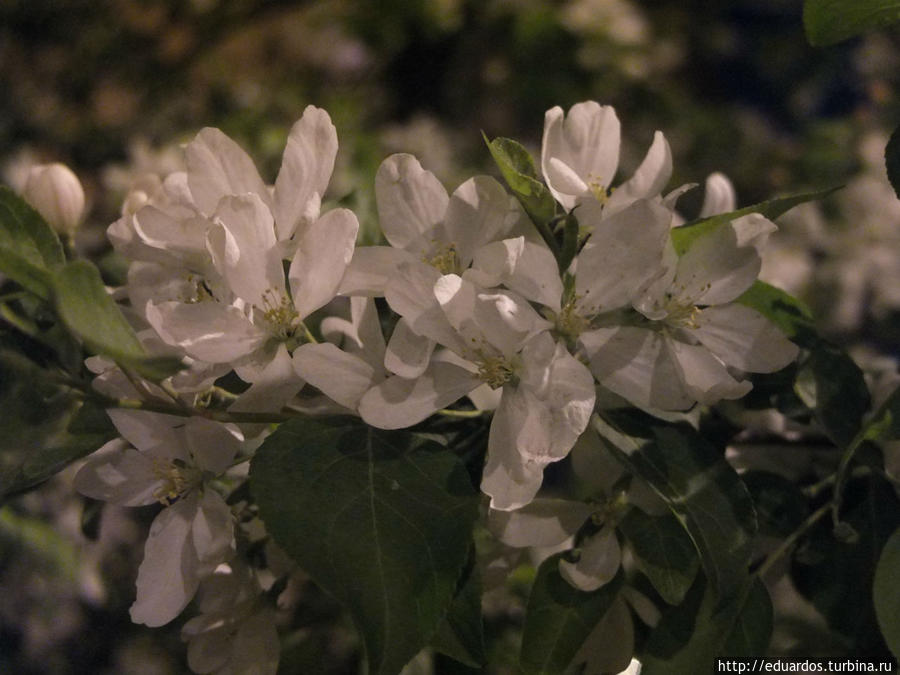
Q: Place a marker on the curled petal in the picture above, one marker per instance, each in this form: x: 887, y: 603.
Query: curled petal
x: 411, y: 201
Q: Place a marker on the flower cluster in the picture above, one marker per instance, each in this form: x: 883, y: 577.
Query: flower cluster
x: 264, y: 285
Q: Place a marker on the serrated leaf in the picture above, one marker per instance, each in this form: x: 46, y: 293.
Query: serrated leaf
x: 87, y: 310
x: 29, y: 248
x: 43, y: 428
x: 517, y: 167
x: 663, y: 552
x: 461, y: 635
x: 701, y: 489
x: 886, y: 593
x: 833, y: 386
x: 559, y: 618
x: 685, y: 235
x: 791, y: 315
x: 689, y: 638
x: 381, y: 520
x: 828, y: 22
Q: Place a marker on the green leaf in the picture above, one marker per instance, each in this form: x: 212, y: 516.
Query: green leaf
x: 833, y: 386
x: 43, y: 427
x: 831, y: 21
x: 381, y: 520
x: 29, y: 248
x: 559, y: 618
x: 685, y: 235
x: 461, y: 635
x: 663, y: 552
x: 886, y: 593
x: 701, y: 489
x: 792, y: 316
x: 689, y: 638
x: 892, y: 160
x: 88, y: 311
x: 517, y: 167
x: 780, y: 505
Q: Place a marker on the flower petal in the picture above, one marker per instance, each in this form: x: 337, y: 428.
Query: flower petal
x: 625, y: 252
x: 705, y: 377
x: 272, y: 388
x: 305, y: 171
x: 212, y: 531
x: 399, y: 402
x: 342, y: 377
x: 408, y: 353
x: 586, y: 142
x: 321, y: 259
x: 744, y: 338
x: 543, y: 522
x: 525, y: 267
x: 411, y: 201
x: 207, y: 330
x: 218, y: 167
x: 648, y: 180
x: 121, y: 476
x: 719, y: 196
x: 168, y: 576
x: 242, y: 246
x: 479, y: 211
x: 598, y: 564
x: 715, y: 270
x: 212, y: 445
x: 371, y: 268
x: 632, y: 363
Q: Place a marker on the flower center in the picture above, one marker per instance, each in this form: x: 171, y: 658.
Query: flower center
x: 445, y: 260
x: 199, y: 291
x: 279, y: 313
x: 569, y: 323
x: 681, y: 315
x: 176, y: 478
x: 495, y: 370
x: 600, y: 191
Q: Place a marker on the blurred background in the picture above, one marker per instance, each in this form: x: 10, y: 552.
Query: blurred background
x: 113, y: 87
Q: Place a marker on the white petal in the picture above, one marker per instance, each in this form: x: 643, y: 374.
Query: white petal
x: 407, y: 353
x: 633, y: 363
x: 321, y: 260
x: 625, y: 253
x: 480, y: 211
x: 212, y: 445
x: 586, y: 141
x: 305, y: 169
x: 217, y: 167
x: 272, y: 388
x: 149, y: 431
x: 371, y: 268
x: 518, y: 450
x: 168, y: 576
x: 543, y: 522
x: 242, y: 246
x: 522, y: 266
x: 398, y: 402
x: 256, y: 646
x: 715, y: 270
x: 648, y: 180
x: 158, y: 229
x: 568, y: 394
x: 208, y: 331
x: 753, y: 230
x: 212, y: 530
x: 719, y: 196
x: 342, y: 377
x: 744, y: 338
x: 598, y: 564
x: 411, y: 201
x: 124, y: 476
x: 705, y: 377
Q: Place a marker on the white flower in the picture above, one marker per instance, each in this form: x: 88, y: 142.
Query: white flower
x: 498, y: 339
x: 430, y: 234
x: 57, y: 195
x: 235, y: 633
x: 689, y: 331
x: 580, y: 155
x: 171, y: 461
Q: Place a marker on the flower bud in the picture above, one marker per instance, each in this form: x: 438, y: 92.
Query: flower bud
x: 57, y: 195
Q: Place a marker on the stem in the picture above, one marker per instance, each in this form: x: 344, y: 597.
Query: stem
x: 307, y: 334
x: 788, y: 543
x: 447, y: 412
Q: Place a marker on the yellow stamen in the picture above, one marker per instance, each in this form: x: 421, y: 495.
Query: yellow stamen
x: 280, y: 314
x: 445, y: 260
